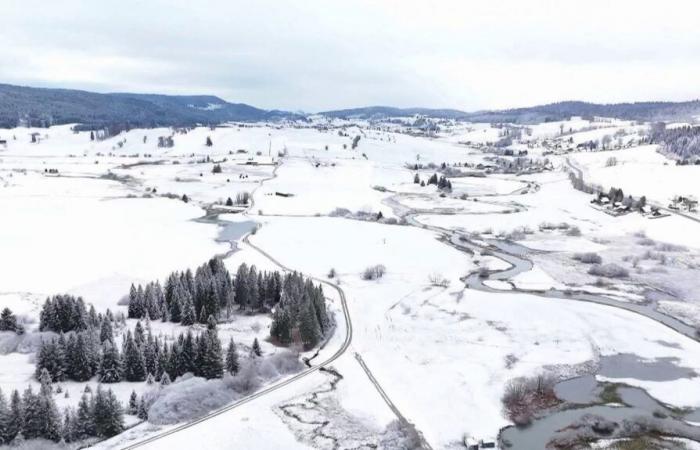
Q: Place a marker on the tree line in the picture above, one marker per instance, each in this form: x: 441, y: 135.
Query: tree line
x: 189, y: 298
x: 35, y: 415
x: 681, y: 142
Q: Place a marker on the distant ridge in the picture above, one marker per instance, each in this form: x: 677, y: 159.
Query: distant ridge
x: 647, y: 111
x: 43, y: 107
x: 378, y: 112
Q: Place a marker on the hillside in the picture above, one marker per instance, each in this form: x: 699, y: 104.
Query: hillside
x: 647, y: 111
x: 43, y: 107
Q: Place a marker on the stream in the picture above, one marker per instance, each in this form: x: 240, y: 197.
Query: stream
x: 581, y: 392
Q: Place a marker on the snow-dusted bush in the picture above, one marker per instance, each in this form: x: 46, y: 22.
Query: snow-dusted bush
x: 373, y: 272
x: 573, y: 231
x: 646, y: 241
x: 588, y: 258
x: 191, y: 397
x: 608, y: 270
x: 524, y: 397
x: 666, y: 247
x: 340, y: 212
x: 438, y: 280
x: 11, y: 342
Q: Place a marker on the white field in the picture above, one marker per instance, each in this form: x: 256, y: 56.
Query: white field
x: 640, y: 171
x: 439, y: 352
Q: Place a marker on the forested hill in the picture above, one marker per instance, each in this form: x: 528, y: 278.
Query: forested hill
x: 646, y: 111
x: 44, y: 107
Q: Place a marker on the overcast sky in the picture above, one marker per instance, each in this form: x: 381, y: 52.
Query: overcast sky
x: 316, y: 55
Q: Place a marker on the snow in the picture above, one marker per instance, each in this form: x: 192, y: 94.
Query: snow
x: 442, y: 354
x: 640, y: 171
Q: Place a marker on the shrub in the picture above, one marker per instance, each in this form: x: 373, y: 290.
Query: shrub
x: 573, y: 231
x: 524, y: 397
x: 588, y: 258
x: 373, y: 272
x: 438, y: 280
x: 608, y: 270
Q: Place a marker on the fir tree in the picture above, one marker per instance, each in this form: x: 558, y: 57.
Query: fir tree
x: 79, y: 360
x: 84, y: 423
x: 45, y: 380
x: 15, y: 419
x: 4, y: 419
x: 8, y: 321
x: 110, y: 369
x: 188, y: 315
x: 133, y: 403
x: 33, y: 422
x: 106, y: 333
x: 143, y: 410
x: 255, y: 349
x: 281, y: 328
x: 309, y: 328
x: 232, y: 365
x: 109, y: 420
x: 134, y: 364
x: 50, y: 417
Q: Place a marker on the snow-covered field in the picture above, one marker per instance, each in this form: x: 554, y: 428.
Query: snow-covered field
x: 441, y: 352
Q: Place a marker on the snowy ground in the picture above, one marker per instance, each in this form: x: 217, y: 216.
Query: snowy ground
x: 441, y: 352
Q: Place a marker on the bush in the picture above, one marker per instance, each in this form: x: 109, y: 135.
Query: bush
x: 192, y: 397
x: 573, y: 231
x: 524, y: 397
x: 608, y: 270
x: 373, y: 272
x: 436, y: 279
x: 588, y: 258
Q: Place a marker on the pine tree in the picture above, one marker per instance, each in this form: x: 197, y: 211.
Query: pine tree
x: 52, y: 359
x: 309, y: 329
x: 110, y: 370
x: 143, y: 410
x: 211, y: 363
x: 33, y: 422
x: 79, y: 360
x: 232, y: 365
x: 254, y: 302
x: 165, y: 379
x: 50, y: 417
x: 109, y: 420
x: 106, y: 333
x: 68, y: 433
x: 255, y: 349
x: 281, y: 328
x: 84, y: 423
x: 15, y: 419
x: 4, y: 419
x: 45, y: 380
x: 150, y: 357
x: 241, y: 286
x: 8, y: 321
x: 133, y: 403
x: 189, y: 353
x: 188, y: 315
x: 139, y: 334
x: 136, y: 309
x: 134, y: 364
